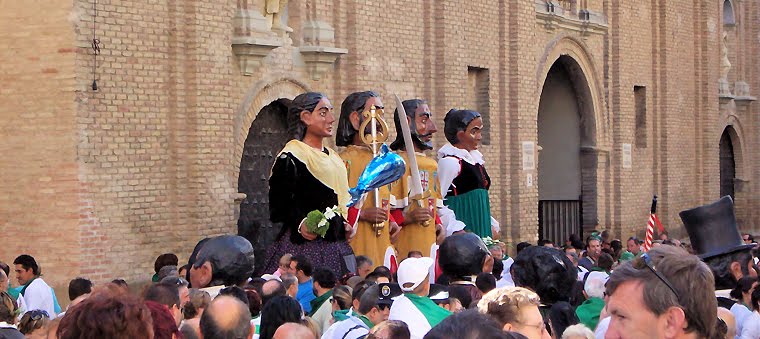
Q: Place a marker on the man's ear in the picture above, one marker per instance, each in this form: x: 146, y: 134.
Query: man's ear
x: 207, y: 272
x: 507, y: 327
x: 675, y: 322
x: 736, y: 270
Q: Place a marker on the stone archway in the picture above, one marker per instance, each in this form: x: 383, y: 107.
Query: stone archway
x: 572, y: 135
x: 727, y: 164
x: 262, y: 132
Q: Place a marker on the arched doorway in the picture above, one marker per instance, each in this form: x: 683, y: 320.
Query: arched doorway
x: 566, y: 178
x: 727, y: 164
x: 266, y: 137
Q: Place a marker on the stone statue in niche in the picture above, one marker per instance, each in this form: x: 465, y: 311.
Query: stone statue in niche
x: 274, y: 11
x: 725, y: 66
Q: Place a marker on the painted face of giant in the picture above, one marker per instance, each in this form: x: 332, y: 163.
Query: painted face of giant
x: 357, y: 118
x: 320, y: 121
x: 423, y: 125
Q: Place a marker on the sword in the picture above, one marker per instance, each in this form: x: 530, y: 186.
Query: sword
x: 415, y: 187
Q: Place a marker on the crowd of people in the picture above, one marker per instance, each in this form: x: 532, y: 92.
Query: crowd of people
x: 478, y: 292
x: 418, y: 258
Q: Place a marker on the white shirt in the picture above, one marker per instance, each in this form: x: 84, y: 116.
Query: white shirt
x: 506, y: 276
x: 39, y: 296
x: 448, y: 169
x: 351, y: 328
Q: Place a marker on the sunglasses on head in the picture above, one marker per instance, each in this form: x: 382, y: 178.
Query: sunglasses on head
x: 647, y: 261
x: 38, y: 314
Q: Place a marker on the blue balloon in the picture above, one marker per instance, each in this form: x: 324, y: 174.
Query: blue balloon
x: 384, y: 169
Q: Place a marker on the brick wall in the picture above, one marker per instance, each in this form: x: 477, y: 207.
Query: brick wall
x: 101, y: 182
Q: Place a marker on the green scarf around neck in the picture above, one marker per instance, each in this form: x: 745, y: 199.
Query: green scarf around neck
x: 317, y: 302
x: 432, y: 312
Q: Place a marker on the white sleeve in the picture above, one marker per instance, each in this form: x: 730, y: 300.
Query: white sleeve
x: 449, y: 220
x: 448, y: 169
x: 495, y: 224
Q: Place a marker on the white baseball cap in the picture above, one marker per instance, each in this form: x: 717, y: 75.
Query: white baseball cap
x: 414, y: 271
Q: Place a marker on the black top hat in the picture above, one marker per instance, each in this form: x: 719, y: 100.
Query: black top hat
x: 712, y: 229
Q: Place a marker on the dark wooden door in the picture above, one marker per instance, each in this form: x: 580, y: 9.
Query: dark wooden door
x: 266, y: 137
x: 727, y: 165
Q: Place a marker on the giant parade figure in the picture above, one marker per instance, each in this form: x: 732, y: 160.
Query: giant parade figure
x: 463, y: 176
x: 363, y: 111
x: 715, y: 237
x: 308, y: 191
x: 416, y: 197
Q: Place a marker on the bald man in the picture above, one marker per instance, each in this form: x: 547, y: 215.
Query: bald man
x: 226, y: 317
x: 293, y: 331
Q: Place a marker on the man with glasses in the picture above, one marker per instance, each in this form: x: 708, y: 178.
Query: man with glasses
x: 516, y: 310
x: 665, y: 293
x: 715, y: 237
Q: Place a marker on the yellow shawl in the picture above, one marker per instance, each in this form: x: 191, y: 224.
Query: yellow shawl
x: 328, y: 169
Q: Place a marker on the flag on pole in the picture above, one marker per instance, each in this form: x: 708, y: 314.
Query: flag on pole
x: 653, y: 220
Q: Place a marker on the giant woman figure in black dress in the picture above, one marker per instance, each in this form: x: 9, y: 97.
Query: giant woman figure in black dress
x: 308, y: 176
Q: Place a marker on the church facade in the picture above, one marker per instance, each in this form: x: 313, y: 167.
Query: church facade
x: 135, y: 128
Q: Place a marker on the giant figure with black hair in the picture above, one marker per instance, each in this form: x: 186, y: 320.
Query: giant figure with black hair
x: 547, y: 271
x: 715, y: 237
x: 308, y: 176
x: 420, y: 227
x: 463, y: 176
x: 375, y: 228
x: 462, y: 257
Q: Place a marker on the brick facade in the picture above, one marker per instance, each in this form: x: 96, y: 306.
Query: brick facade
x: 98, y: 183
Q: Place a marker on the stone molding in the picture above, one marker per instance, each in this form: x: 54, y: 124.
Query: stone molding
x: 554, y: 16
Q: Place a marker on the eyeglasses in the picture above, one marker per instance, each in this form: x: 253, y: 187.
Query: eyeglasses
x: 38, y: 314
x: 648, y: 263
x: 540, y: 327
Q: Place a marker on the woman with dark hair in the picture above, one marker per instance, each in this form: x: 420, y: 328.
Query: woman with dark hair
x: 464, y: 179
x: 743, y: 290
x: 561, y: 316
x: 306, y: 177
x: 279, y: 310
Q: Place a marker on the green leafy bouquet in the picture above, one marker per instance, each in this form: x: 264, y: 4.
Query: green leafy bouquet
x: 317, y: 222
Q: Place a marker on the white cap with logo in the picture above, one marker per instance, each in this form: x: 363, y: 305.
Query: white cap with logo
x: 414, y: 271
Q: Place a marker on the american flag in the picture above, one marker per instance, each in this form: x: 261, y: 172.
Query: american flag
x: 653, y: 220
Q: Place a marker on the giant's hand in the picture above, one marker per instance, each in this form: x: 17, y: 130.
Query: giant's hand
x: 373, y: 215
x: 417, y: 216
x: 440, y: 234
x: 350, y: 231
x: 395, y: 230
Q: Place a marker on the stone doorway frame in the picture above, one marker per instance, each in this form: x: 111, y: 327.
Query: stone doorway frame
x: 574, y: 56
x: 259, y: 95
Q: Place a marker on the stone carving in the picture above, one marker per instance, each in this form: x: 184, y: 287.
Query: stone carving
x: 725, y: 66
x: 274, y: 11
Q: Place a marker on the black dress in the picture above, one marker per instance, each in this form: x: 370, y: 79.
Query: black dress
x: 293, y: 193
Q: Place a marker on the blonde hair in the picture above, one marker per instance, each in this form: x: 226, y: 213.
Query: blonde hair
x: 577, y: 330
x: 504, y: 304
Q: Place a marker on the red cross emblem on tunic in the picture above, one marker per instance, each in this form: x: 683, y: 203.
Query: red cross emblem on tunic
x: 424, y: 178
